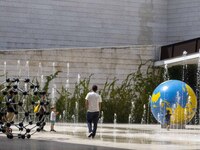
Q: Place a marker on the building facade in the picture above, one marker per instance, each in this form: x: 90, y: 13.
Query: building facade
x: 108, y: 28
x: 28, y: 24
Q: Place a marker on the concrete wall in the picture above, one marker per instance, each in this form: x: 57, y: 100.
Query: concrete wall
x: 37, y: 24
x: 103, y: 63
x: 183, y: 20
x: 40, y: 24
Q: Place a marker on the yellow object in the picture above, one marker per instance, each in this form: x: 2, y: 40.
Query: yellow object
x: 36, y: 108
x: 155, y: 97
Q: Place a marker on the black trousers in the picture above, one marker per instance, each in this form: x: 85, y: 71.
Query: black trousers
x: 92, y: 119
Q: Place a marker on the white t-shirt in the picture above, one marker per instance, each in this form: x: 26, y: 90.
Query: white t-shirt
x: 53, y: 116
x: 93, y: 101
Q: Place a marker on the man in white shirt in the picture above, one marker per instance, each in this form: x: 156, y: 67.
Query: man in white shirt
x: 93, y: 105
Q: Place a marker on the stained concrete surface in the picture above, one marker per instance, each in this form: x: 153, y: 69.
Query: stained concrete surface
x: 109, y: 136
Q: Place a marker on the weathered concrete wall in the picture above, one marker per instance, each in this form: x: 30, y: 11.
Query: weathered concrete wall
x: 103, y: 63
x: 40, y: 24
x: 183, y: 20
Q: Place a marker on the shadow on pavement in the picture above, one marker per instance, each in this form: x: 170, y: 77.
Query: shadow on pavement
x: 33, y: 144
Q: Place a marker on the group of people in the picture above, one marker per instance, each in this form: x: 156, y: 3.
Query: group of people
x: 11, y: 109
x: 92, y: 103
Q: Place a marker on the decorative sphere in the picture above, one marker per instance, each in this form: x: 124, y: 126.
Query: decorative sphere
x: 177, y: 97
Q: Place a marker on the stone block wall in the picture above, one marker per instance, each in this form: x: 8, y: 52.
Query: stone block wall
x: 103, y: 63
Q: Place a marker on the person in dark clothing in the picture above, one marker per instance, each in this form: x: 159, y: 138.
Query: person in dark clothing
x: 167, y: 119
x: 10, y: 111
x: 42, y: 111
x: 11, y: 107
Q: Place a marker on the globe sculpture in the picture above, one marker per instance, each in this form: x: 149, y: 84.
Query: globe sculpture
x: 177, y: 97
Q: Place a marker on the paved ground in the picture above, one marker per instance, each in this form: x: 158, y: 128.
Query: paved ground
x: 109, y: 136
x: 33, y: 144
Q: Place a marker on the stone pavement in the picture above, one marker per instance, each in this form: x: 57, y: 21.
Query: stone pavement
x: 109, y: 136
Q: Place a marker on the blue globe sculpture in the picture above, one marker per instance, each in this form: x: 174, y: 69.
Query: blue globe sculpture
x: 177, y: 97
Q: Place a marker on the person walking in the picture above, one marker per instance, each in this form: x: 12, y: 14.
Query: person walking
x: 93, y: 105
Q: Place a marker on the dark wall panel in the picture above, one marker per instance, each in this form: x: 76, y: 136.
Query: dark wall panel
x: 177, y: 49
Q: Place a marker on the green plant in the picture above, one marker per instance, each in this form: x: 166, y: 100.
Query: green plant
x: 117, y: 98
x: 48, y: 80
x: 63, y: 103
x: 136, y: 89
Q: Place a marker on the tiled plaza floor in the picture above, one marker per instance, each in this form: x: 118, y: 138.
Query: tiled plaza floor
x: 109, y: 136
